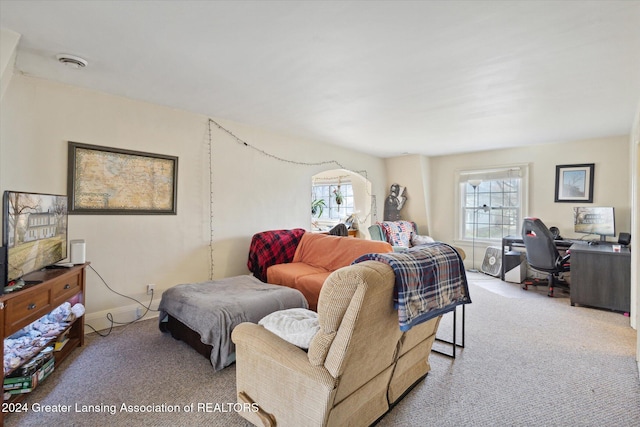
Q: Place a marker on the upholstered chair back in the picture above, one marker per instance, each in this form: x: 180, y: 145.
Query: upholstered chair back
x: 359, y: 332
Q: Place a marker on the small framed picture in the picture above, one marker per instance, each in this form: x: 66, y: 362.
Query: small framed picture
x: 574, y: 183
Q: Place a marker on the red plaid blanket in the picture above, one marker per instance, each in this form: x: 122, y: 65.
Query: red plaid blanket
x: 272, y: 247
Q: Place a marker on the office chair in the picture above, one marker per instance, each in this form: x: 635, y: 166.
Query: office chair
x: 542, y: 254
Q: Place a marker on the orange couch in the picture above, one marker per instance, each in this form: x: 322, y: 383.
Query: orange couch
x: 317, y: 256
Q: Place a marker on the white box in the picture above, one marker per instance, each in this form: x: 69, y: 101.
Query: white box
x: 78, y: 251
x: 517, y: 274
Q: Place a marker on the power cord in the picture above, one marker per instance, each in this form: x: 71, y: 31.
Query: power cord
x: 110, y: 316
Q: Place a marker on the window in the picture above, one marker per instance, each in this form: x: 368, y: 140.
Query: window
x: 492, y: 202
x: 332, y: 211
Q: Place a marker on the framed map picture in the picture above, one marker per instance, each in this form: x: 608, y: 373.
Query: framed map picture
x: 104, y: 180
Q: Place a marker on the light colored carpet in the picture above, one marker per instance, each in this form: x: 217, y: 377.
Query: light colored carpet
x: 528, y: 360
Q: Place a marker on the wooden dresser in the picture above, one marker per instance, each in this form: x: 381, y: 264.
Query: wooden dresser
x: 21, y: 308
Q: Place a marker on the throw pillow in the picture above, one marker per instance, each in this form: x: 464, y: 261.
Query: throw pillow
x: 417, y: 240
x: 398, y: 233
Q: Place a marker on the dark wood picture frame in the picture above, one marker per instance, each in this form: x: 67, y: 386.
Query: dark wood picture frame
x: 574, y: 183
x: 112, y: 181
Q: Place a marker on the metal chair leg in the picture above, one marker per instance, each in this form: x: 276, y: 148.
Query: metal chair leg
x: 453, y: 342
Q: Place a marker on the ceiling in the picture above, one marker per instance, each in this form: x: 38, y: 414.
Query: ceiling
x: 381, y: 77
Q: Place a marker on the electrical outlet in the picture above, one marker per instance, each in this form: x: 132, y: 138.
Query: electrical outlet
x: 138, y: 312
x: 151, y: 289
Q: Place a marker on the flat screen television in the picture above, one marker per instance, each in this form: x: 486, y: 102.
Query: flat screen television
x: 34, y: 233
x: 595, y: 220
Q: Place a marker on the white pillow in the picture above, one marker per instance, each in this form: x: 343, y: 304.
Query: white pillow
x: 417, y: 240
x: 295, y: 325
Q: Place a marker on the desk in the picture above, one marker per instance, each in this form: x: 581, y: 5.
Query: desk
x: 510, y: 242
x: 600, y: 277
x: 352, y: 233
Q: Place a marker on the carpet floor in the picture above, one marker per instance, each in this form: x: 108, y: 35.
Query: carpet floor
x: 528, y: 360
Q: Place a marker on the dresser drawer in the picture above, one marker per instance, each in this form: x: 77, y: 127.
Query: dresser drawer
x: 65, y: 288
x: 24, y: 309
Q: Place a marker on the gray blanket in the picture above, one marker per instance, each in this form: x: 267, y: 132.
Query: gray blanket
x: 213, y: 309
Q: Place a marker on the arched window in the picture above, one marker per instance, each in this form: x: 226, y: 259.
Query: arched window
x: 338, y: 200
x: 336, y: 195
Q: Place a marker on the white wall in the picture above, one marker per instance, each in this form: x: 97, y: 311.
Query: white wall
x: 250, y: 191
x: 411, y: 171
x: 8, y: 43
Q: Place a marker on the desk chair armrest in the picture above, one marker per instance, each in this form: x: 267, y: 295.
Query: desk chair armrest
x: 563, y: 262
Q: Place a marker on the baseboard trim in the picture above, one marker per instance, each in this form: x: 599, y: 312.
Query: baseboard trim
x: 99, y: 321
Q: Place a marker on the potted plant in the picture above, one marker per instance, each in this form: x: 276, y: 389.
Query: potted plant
x: 317, y: 207
x: 338, y: 195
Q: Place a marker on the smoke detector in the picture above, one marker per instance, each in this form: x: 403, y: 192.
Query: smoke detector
x: 71, y: 61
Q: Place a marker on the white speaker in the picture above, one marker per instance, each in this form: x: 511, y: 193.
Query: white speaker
x: 78, y: 250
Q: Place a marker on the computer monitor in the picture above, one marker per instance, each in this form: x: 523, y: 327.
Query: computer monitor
x: 595, y: 220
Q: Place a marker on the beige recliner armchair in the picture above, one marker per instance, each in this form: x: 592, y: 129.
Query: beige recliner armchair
x: 358, y: 365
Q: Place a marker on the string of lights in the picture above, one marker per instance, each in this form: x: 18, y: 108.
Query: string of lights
x: 211, y: 260
x: 281, y: 159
